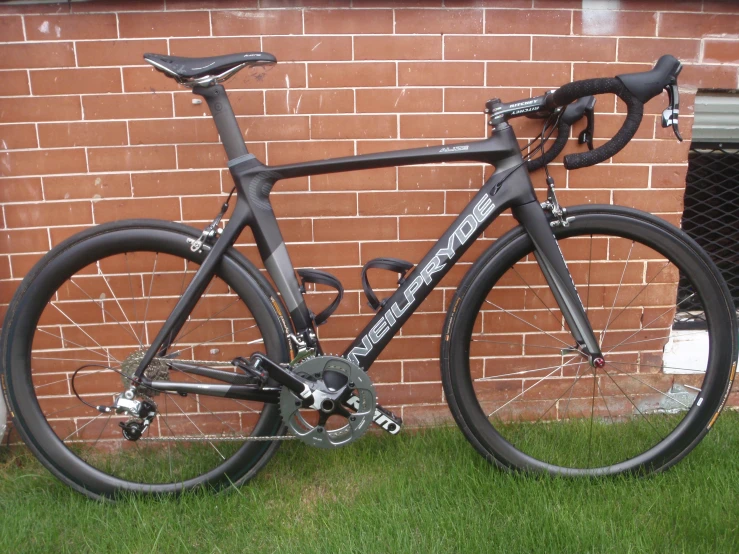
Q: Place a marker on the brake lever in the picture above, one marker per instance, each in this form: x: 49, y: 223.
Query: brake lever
x: 586, y: 135
x: 671, y: 114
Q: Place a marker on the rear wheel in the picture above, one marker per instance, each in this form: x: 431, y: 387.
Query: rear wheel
x: 75, y: 331
x: 528, y: 398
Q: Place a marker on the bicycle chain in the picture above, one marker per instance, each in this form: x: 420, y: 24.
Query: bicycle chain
x: 220, y: 438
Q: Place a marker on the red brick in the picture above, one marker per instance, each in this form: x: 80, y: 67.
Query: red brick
x: 722, y: 51
x: 309, y: 101
x: 349, y: 22
x: 274, y: 128
x: 147, y: 79
x: 401, y: 203
x: 709, y: 76
x: 180, y: 183
x: 131, y: 158
x: 198, y: 156
x: 177, y: 131
x: 351, y: 74
x: 610, y: 176
x: 127, y: 106
x: 650, y: 50
x: 243, y: 102
x: 526, y: 22
x: 597, y: 70
x: 669, y: 176
x: 11, y: 29
x: 117, y: 52
x: 697, y: 25
x: 71, y: 27
x: 397, y: 48
x: 54, y: 135
x: 258, y: 22
x: 120, y: 6
x: 218, y: 4
x: 397, y: 100
x: 87, y: 186
x: 213, y: 46
x: 434, y: 22
x: 48, y: 214
x: 574, y: 49
x: 13, y: 137
x: 527, y: 74
x: 487, y: 48
x: 614, y: 23
x: 301, y: 3
x: 443, y: 126
x: 281, y: 75
x: 315, y: 204
x: 353, y: 126
x: 370, y: 179
x: 24, y: 56
x: 355, y: 229
x: 24, y: 189
x: 424, y: 227
x: 14, y: 83
x: 22, y: 242
x: 440, y: 73
x: 325, y: 255
x: 40, y: 162
x: 170, y: 24
x: 473, y: 99
x: 308, y: 48
x: 158, y: 208
x: 76, y: 81
x: 415, y: 393
x: 663, y: 200
x: 430, y: 177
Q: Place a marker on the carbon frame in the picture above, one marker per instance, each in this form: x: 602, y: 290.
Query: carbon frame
x: 508, y: 187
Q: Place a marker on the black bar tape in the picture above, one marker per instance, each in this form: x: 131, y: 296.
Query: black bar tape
x: 563, y: 133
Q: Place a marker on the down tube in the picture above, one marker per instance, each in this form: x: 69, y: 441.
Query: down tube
x: 470, y: 224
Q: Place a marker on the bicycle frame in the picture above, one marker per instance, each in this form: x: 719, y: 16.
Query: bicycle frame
x: 508, y: 187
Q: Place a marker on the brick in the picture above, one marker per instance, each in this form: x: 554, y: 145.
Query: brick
x: 120, y: 6
x: 284, y: 75
x: 353, y: 126
x: 48, y: 214
x: 76, y: 81
x: 25, y: 56
x: 213, y: 46
x: 180, y: 183
x: 574, y: 49
x: 117, y: 52
x: 349, y: 22
x: 355, y: 229
x: 55, y: 135
x: 315, y: 204
x: 40, y: 162
x: 397, y: 48
x: 351, y: 75
x: 170, y: 24
x: 274, y: 128
x: 650, y: 50
x: 697, y: 25
x: 401, y: 203
x: 442, y: 177
x: 171, y: 131
x: 131, y: 158
x: 14, y: 83
x: 663, y: 200
x: 528, y: 22
x: 722, y: 51
x: 610, y: 176
x: 371, y: 179
x: 13, y: 137
x: 243, y: 102
x: 71, y: 27
x: 473, y: 99
x: 199, y: 5
x: 434, y: 22
x: 720, y: 6
x: 487, y: 47
x: 23, y: 189
x: 302, y: 3
x: 21, y: 242
x: 443, y: 126
x: 309, y: 101
x: 127, y: 106
x: 398, y: 100
x: 671, y: 177
x: 158, y: 208
x: 198, y: 156
x: 614, y: 23
x: 308, y: 48
x: 11, y: 29
x: 74, y: 187
x: 440, y: 73
x: 258, y: 22
x: 527, y: 74
x: 709, y: 76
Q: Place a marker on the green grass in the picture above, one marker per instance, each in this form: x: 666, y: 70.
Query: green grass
x: 418, y: 492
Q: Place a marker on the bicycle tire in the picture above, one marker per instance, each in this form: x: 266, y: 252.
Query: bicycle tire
x: 638, y: 439
x: 25, y: 350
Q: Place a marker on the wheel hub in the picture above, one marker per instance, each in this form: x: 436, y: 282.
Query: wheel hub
x: 155, y: 371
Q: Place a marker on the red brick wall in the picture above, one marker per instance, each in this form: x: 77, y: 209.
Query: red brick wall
x: 89, y: 133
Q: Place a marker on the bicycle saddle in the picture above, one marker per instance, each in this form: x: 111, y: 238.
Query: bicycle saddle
x: 206, y: 71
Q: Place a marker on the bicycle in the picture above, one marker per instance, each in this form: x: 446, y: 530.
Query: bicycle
x: 115, y: 385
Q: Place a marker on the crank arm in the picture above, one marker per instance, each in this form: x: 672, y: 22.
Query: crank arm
x: 383, y: 418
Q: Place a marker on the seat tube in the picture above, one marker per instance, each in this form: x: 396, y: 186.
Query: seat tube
x: 225, y: 120
x: 553, y: 266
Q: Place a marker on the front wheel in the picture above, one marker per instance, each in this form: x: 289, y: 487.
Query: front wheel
x: 528, y: 398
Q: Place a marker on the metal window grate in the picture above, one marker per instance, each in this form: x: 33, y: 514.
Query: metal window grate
x: 711, y: 215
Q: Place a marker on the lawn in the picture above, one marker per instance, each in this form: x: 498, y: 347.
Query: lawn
x: 419, y: 492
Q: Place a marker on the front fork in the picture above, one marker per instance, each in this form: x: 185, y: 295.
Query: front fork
x: 549, y: 256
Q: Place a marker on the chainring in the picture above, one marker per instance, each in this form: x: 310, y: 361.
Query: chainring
x: 155, y: 371
x: 330, y: 376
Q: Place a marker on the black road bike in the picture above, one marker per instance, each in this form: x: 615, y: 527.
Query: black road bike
x: 147, y: 356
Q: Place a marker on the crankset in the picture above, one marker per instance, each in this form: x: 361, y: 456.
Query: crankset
x: 330, y: 378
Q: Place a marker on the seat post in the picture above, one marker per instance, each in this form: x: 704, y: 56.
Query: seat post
x: 223, y: 115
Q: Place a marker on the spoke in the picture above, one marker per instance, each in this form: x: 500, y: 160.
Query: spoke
x: 528, y: 323
x: 648, y: 385
x: 179, y: 339
x: 559, y: 349
x: 85, y: 425
x: 610, y: 416
x: 68, y: 378
x: 559, y: 319
x: 568, y: 389
x: 231, y: 334
x: 100, y: 272
x: 106, y: 356
x: 522, y: 372
x: 148, y: 298
x: 590, y: 263
x: 592, y: 411
x: 608, y: 321
x: 207, y: 290
x: 198, y: 428
x: 572, y: 389
x: 133, y: 296
x: 635, y: 406
x: 660, y: 367
x: 51, y: 303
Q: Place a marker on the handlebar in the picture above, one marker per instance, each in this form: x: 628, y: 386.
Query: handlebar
x: 634, y: 89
